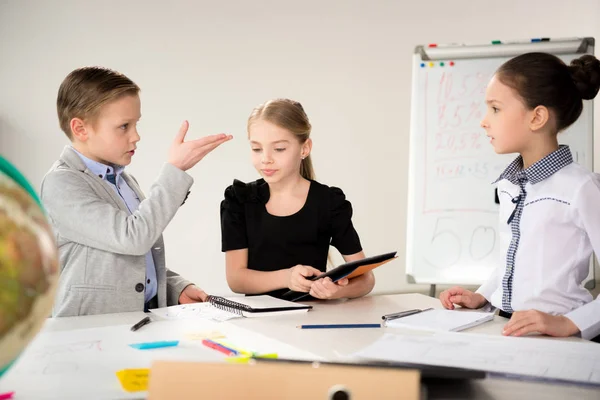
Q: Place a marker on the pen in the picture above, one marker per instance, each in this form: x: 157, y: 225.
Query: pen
x: 219, y: 347
x: 339, y: 326
x: 401, y: 314
x: 143, y: 322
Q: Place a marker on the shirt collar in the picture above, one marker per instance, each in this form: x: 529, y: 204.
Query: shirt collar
x: 539, y: 171
x: 99, y: 169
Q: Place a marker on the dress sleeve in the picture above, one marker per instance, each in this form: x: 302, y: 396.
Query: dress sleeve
x: 343, y: 235
x: 233, y: 222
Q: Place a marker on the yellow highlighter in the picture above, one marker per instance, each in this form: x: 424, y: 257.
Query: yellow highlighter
x: 246, y: 359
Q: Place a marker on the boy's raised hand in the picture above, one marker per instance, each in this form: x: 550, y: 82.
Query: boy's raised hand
x: 184, y: 155
x: 462, y: 297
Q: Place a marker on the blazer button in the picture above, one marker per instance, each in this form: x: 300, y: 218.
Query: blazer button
x: 139, y: 287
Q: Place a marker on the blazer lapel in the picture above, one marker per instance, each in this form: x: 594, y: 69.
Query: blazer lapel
x: 73, y: 161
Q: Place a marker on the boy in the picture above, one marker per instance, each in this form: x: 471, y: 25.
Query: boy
x: 109, y: 234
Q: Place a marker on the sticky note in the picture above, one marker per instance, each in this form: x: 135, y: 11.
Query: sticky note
x: 134, y: 380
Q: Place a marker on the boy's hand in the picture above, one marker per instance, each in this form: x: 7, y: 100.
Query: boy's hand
x: 325, y: 288
x: 523, y: 322
x: 461, y: 297
x: 184, y: 155
x: 297, y: 278
x: 192, y: 294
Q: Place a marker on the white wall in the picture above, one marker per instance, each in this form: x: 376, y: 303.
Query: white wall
x: 348, y: 62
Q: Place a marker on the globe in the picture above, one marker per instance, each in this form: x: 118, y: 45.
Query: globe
x: 28, y: 265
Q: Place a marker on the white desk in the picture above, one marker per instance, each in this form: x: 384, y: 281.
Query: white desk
x: 337, y: 343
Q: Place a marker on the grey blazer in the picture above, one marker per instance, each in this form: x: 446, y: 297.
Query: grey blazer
x: 101, y: 245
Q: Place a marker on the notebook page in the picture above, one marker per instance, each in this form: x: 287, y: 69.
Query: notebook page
x: 264, y: 301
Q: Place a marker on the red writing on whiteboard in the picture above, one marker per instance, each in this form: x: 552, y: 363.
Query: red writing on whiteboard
x: 467, y: 86
x: 453, y: 142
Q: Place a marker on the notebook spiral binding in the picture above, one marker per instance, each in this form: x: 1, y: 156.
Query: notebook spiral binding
x: 228, y: 305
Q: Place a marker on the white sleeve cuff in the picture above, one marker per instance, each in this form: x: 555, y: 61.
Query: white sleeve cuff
x: 587, y: 319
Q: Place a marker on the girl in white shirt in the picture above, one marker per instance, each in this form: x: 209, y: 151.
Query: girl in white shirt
x: 549, y: 205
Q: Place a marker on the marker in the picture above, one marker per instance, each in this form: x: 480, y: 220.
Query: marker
x: 154, y: 345
x: 248, y: 359
x: 339, y: 326
x: 534, y: 40
x: 432, y: 45
x: 496, y: 42
x: 143, y: 322
x: 239, y: 351
x: 219, y: 347
x: 7, y: 396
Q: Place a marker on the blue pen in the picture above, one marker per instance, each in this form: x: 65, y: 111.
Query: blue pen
x: 155, y: 345
x: 336, y: 326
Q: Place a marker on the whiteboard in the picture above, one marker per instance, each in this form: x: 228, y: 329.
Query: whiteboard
x: 452, y: 219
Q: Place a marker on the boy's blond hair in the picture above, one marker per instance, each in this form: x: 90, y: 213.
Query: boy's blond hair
x: 84, y: 91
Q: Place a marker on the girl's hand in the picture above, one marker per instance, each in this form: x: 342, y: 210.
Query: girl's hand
x: 462, y: 297
x: 524, y: 322
x: 325, y: 288
x: 297, y: 278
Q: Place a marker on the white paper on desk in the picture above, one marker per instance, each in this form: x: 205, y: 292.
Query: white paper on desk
x: 194, y: 310
x: 81, y: 364
x: 548, y: 358
x: 443, y: 320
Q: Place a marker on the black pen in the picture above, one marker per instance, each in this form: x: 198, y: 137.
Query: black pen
x: 401, y: 314
x: 143, y: 322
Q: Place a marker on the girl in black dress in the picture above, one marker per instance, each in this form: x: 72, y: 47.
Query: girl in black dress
x: 276, y: 231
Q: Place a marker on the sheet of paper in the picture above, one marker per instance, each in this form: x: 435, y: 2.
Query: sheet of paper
x: 82, y: 364
x: 444, y: 320
x: 194, y: 310
x: 535, y: 357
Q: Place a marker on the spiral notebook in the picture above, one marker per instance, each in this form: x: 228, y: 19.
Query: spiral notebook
x: 257, y: 306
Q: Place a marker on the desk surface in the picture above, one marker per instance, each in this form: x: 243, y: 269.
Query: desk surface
x: 335, y: 344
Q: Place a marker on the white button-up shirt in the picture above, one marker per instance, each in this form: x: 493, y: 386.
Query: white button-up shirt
x: 547, y: 255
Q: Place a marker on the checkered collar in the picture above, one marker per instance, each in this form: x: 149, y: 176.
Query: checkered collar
x: 543, y: 169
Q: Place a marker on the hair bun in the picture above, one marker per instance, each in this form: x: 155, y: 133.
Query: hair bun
x: 585, y: 72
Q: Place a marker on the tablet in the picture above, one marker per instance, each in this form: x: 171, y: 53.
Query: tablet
x: 348, y: 270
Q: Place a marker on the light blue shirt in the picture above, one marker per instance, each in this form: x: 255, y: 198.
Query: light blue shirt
x: 132, y: 202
